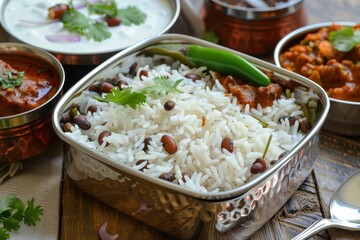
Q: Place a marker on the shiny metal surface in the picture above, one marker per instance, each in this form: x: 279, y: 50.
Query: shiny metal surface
x: 343, y: 115
x: 344, y: 210
x: 90, y: 58
x: 185, y: 214
x: 247, y: 13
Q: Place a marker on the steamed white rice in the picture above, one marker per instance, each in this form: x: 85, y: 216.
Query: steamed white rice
x: 199, y: 154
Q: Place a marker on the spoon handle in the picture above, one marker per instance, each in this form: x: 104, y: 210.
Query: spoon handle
x: 315, y: 228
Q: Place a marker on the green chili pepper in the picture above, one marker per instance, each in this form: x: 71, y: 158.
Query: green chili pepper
x: 226, y: 62
x: 214, y: 59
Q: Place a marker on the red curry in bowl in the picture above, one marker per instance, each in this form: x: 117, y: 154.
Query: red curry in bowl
x: 24, y: 85
x: 326, y: 57
x: 31, y: 82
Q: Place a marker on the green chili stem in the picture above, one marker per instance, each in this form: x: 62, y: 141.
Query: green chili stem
x: 267, y: 146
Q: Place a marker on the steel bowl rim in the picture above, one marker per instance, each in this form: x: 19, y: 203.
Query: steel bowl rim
x: 303, y: 31
x: 256, y: 13
x: 36, y: 113
x: 71, y: 58
x: 84, y: 82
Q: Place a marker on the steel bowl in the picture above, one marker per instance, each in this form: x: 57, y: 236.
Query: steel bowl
x: 93, y: 55
x: 343, y: 115
x: 170, y: 208
x: 251, y: 30
x: 29, y: 133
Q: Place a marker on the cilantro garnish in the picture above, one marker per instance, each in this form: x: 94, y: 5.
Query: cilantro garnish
x: 76, y: 22
x: 124, y: 97
x: 127, y: 97
x: 163, y: 85
x: 131, y: 15
x: 12, y: 79
x: 13, y: 211
x: 344, y: 39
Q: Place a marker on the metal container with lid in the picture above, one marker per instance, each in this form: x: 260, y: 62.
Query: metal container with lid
x: 252, y: 30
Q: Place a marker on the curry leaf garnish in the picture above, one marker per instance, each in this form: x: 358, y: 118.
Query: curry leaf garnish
x: 13, y: 211
x: 344, y: 39
x: 131, y: 15
x: 11, y: 79
x: 163, y: 85
x: 125, y: 97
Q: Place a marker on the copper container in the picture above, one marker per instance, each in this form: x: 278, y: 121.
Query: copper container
x: 29, y: 133
x: 254, y: 31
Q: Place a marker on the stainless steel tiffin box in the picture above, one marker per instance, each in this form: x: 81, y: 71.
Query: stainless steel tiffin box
x: 170, y: 208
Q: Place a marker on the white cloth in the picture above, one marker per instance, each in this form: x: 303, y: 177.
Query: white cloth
x: 40, y: 178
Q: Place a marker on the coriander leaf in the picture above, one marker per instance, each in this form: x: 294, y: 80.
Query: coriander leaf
x: 131, y: 15
x: 13, y: 211
x: 344, y: 39
x: 12, y: 79
x: 124, y: 97
x: 163, y: 84
x: 75, y: 21
x: 4, y: 234
x: 32, y: 213
x: 108, y: 8
x: 98, y: 32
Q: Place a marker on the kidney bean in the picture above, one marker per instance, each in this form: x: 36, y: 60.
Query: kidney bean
x: 305, y: 126
x: 272, y: 162
x: 106, y: 87
x: 146, y: 144
x: 143, y: 73
x: 101, y: 137
x: 92, y: 108
x: 95, y: 87
x: 132, y: 69
x: 261, y: 161
x: 82, y: 122
x: 120, y: 84
x: 66, y: 117
x: 283, y: 154
x: 169, y: 144
x: 291, y: 120
x: 193, y: 76
x: 170, y: 177
x: 257, y: 168
x: 113, y: 21
x: 169, y: 105
x: 183, y: 176
x: 228, y: 144
x: 140, y: 162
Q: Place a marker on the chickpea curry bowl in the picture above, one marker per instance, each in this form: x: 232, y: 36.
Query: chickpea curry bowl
x: 184, y: 129
x: 31, y: 83
x: 328, y: 54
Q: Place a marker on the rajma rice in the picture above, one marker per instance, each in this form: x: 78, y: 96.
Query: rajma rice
x: 202, y: 117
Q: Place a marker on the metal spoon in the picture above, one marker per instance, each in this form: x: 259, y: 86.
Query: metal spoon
x: 344, y: 209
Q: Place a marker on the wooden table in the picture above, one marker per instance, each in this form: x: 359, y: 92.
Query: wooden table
x: 82, y: 215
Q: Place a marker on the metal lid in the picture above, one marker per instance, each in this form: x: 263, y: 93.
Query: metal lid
x: 248, y: 13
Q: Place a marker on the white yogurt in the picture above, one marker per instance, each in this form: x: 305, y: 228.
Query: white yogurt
x: 159, y: 16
